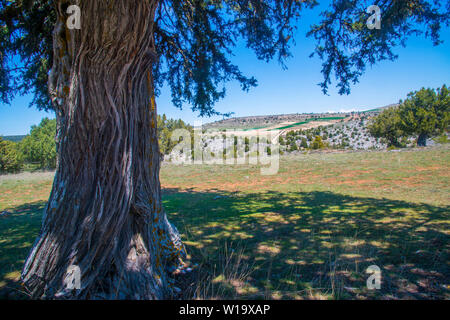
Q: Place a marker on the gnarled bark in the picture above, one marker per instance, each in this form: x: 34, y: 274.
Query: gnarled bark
x: 104, y: 214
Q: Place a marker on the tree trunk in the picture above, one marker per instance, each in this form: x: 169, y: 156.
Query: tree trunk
x: 422, y: 140
x: 104, y: 214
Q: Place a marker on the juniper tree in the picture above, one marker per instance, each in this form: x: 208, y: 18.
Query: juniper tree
x: 425, y: 113
x: 387, y: 126
x: 104, y: 214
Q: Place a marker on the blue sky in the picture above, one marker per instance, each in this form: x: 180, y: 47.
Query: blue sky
x: 294, y: 90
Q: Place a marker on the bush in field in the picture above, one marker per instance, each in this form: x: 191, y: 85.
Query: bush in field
x: 40, y: 146
x: 293, y: 146
x: 304, y: 143
x: 344, y: 144
x: 11, y: 159
x: 317, y: 143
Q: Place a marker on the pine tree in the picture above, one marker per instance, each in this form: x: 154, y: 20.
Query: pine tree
x: 425, y: 113
x: 387, y: 126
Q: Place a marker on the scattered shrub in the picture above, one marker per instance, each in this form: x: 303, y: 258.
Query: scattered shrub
x: 317, y: 143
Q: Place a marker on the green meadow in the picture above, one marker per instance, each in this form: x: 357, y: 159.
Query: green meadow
x: 308, y: 232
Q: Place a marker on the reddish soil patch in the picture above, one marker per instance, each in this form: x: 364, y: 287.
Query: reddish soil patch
x: 359, y: 182
x: 354, y: 173
x: 428, y: 168
x: 411, y: 182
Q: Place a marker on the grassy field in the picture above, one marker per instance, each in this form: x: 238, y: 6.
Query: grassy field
x: 309, y: 232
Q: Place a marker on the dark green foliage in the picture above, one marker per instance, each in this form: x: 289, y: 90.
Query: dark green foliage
x: 11, y: 159
x: 387, y: 126
x: 26, y: 49
x: 195, y: 41
x: 344, y: 144
x: 424, y: 113
x: 304, y: 143
x: 40, y: 146
x: 293, y: 146
x: 165, y: 130
x: 343, y: 26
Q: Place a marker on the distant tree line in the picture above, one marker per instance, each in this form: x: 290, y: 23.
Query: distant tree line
x: 37, y: 150
x: 10, y: 157
x: 165, y: 129
x: 424, y: 114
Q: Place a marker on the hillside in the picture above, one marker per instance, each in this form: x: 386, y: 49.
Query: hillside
x: 13, y: 138
x: 292, y: 120
x: 294, y: 132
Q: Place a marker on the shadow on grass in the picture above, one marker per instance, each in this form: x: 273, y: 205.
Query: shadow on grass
x: 285, y: 245
x: 316, y: 245
x: 18, y: 230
